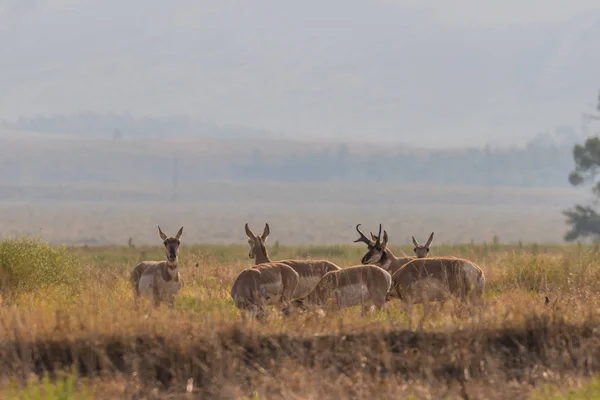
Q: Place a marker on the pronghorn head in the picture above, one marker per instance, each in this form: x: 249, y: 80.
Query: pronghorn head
x: 257, y: 242
x: 171, y: 245
x: 422, y: 250
x: 376, y: 246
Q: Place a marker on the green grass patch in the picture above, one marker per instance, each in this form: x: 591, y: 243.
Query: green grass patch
x: 588, y: 391
x: 64, y: 387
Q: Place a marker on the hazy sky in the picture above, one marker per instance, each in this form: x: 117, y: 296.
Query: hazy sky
x: 430, y: 72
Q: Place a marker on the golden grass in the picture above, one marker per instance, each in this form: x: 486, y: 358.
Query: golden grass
x: 513, y: 346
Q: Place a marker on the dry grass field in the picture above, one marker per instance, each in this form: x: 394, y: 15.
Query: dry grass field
x: 69, y: 330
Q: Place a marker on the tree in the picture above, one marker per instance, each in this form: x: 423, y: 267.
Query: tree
x: 585, y: 220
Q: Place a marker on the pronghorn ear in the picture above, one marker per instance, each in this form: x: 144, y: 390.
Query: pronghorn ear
x: 179, y: 233
x: 162, y: 234
x: 429, y: 240
x: 385, y: 239
x: 373, y: 238
x: 266, y: 232
x: 248, y: 231
x: 415, y: 242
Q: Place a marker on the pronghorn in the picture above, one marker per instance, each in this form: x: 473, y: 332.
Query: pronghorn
x: 434, y: 279
x: 364, y: 285
x: 421, y: 250
x: 379, y: 254
x: 264, y: 284
x: 159, y: 280
x: 310, y: 271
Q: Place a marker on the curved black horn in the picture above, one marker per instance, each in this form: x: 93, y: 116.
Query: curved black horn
x: 362, y: 237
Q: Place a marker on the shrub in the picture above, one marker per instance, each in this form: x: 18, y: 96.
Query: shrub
x: 27, y: 264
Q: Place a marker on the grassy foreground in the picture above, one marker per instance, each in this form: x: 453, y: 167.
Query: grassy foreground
x: 82, y: 339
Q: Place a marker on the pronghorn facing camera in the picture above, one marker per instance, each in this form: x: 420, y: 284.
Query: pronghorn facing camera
x: 310, y: 271
x: 159, y: 280
x: 378, y: 252
x: 434, y: 279
x: 422, y: 250
x: 264, y: 284
x: 365, y: 285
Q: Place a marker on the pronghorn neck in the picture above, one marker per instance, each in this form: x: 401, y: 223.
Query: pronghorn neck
x: 261, y: 255
x: 169, y: 272
x: 387, y: 258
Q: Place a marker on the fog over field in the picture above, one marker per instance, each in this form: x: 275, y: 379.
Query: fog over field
x: 422, y: 73
x: 313, y: 116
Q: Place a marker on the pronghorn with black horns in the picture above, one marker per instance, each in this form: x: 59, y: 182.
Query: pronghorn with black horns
x: 428, y: 279
x: 379, y: 254
x: 159, y: 280
x: 309, y: 271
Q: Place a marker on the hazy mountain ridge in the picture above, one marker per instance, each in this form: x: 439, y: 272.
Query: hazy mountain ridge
x: 63, y: 160
x: 333, y: 69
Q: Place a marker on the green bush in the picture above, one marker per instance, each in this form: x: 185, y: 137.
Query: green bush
x: 27, y: 264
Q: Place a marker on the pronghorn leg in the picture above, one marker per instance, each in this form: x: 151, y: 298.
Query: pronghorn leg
x: 136, y: 298
x: 171, y: 302
x: 156, y: 301
x: 261, y: 314
x: 364, y: 310
x: 286, y: 306
x: 379, y: 303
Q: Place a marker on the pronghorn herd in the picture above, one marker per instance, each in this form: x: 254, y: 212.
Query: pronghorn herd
x: 320, y: 284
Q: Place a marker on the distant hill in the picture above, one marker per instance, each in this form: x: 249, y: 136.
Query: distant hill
x: 54, y: 159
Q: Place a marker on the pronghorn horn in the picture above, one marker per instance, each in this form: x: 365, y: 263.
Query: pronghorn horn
x: 362, y: 237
